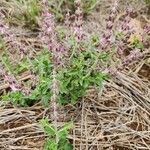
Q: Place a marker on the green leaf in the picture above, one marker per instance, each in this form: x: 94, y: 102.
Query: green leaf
x: 48, y: 128
x: 66, y: 127
x: 50, y: 145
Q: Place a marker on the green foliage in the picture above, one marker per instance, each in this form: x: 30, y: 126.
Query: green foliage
x: 78, y: 76
x: 30, y: 12
x: 27, y: 12
x: 15, y: 68
x: 56, y: 137
x: 136, y: 43
x: 147, y: 2
x: 80, y: 71
x: 41, y: 66
x: 59, y: 7
x: 88, y: 6
x: 16, y: 97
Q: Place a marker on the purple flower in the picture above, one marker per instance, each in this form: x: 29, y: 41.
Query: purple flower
x: 10, y: 38
x: 49, y: 37
x: 12, y: 82
x: 77, y: 27
x: 107, y: 38
x: 147, y: 29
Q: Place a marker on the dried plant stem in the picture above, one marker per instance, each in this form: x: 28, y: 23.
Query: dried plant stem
x: 54, y: 103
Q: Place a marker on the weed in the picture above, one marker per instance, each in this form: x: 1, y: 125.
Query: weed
x: 79, y: 75
x: 59, y: 8
x: 80, y: 61
x: 28, y: 12
x: 41, y: 66
x: 56, y: 138
x: 147, y: 2
x: 70, y: 62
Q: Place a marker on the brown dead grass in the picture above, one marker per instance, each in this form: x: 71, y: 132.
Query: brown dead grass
x: 116, y: 118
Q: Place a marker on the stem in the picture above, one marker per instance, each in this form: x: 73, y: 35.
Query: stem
x: 54, y: 103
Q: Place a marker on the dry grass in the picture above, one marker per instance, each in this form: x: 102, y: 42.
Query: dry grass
x: 116, y: 118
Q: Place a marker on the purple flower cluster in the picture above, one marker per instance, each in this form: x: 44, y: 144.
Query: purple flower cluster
x: 126, y: 30
x: 49, y: 37
x: 147, y: 29
x: 108, y: 38
x: 77, y: 27
x: 145, y: 39
x: 12, y: 44
x: 121, y: 41
x: 13, y: 84
x: 9, y: 37
x: 134, y: 55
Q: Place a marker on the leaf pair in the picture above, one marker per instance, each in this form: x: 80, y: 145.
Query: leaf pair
x: 56, y: 137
